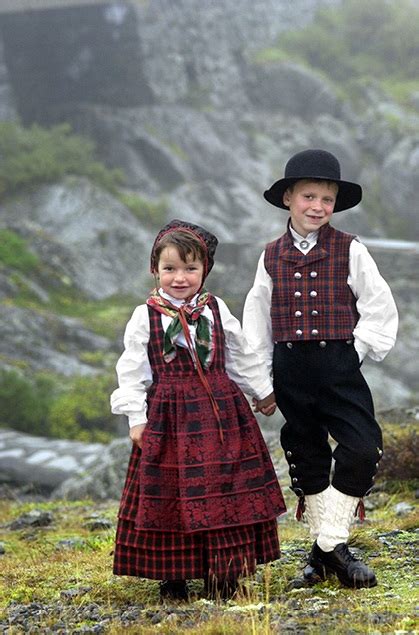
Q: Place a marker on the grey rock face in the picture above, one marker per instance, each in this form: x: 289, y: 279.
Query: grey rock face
x: 170, y: 92
x: 8, y: 110
x: 94, y: 239
x: 400, y: 182
x: 46, y: 341
x: 289, y: 87
x: 44, y: 463
x: 104, y: 479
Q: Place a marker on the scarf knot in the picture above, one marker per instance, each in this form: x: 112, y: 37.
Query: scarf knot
x: 182, y: 317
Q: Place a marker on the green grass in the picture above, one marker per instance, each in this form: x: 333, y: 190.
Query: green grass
x: 35, y: 569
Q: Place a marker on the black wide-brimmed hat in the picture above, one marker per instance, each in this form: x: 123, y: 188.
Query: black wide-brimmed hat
x: 206, y: 238
x: 315, y: 165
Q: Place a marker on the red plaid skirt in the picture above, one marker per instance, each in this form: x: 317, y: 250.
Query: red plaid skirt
x: 189, y: 480
x: 168, y: 555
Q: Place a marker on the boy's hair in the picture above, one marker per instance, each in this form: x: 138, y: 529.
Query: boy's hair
x: 292, y: 185
x: 186, y: 244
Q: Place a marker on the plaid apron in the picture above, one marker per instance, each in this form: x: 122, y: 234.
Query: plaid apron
x: 194, y: 501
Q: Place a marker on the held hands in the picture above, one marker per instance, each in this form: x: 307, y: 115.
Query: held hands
x: 136, y: 433
x: 266, y: 406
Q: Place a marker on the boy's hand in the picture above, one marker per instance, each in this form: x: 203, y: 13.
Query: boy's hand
x: 136, y: 433
x: 266, y: 406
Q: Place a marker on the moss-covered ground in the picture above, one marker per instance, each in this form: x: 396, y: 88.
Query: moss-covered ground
x: 57, y: 578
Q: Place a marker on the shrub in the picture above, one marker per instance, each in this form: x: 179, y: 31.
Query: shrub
x: 150, y: 213
x: 37, y: 155
x: 24, y: 404
x: 378, y: 38
x: 82, y: 412
x: 43, y: 406
x: 14, y: 252
x: 401, y: 449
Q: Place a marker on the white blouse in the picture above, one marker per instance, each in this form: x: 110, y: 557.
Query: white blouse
x: 134, y: 372
x: 376, y: 330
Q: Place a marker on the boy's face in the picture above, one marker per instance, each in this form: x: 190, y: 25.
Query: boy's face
x: 179, y: 279
x: 311, y: 204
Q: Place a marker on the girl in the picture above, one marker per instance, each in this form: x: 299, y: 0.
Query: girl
x: 201, y: 496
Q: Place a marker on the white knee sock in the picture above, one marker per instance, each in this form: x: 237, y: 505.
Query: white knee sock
x: 315, y: 509
x: 338, y: 517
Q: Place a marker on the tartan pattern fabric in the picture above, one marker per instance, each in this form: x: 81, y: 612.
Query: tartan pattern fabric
x: 326, y: 306
x: 186, y: 481
x: 169, y: 555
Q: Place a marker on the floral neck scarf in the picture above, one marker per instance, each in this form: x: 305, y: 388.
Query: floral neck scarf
x: 183, y: 316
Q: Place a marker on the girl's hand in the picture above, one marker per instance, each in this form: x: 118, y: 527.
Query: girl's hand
x: 266, y: 406
x: 136, y: 433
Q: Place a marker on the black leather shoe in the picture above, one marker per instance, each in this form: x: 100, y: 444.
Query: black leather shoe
x: 350, y: 571
x: 173, y: 590
x: 312, y: 576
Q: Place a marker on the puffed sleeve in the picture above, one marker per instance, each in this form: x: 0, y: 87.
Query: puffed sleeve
x: 243, y: 365
x: 133, y: 370
x: 376, y: 331
x: 257, y: 325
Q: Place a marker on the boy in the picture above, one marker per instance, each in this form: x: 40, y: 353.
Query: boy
x: 318, y: 306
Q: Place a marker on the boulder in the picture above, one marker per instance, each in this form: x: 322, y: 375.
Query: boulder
x: 105, y: 477
x: 43, y: 463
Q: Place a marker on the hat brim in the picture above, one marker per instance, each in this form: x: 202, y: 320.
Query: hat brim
x: 349, y: 194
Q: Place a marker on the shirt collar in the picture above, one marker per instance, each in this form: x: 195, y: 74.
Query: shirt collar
x: 308, y: 241
x: 176, y: 301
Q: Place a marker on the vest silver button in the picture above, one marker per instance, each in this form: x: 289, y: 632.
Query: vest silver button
x: 322, y: 344
x: 314, y: 332
x: 293, y: 466
x: 289, y: 344
x: 313, y: 294
x: 313, y: 274
x: 297, y: 275
x: 289, y: 453
x: 295, y: 480
x: 314, y: 313
x: 298, y: 314
x: 299, y: 332
x: 297, y: 294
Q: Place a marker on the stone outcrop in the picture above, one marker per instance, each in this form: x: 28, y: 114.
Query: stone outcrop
x: 43, y: 463
x: 47, y: 342
x: 85, y: 233
x: 179, y: 96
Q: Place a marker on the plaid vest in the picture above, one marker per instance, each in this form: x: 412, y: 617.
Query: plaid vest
x: 311, y: 299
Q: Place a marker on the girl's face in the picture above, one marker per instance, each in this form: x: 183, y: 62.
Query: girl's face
x: 311, y: 204
x: 181, y: 280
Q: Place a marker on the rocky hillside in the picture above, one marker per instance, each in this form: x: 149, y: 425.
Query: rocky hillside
x: 197, y: 107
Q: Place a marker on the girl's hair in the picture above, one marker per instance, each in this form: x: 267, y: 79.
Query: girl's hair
x: 185, y: 242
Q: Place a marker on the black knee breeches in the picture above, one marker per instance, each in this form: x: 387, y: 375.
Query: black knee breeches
x: 320, y: 390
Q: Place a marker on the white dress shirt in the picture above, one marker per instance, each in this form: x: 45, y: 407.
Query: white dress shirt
x: 376, y: 330
x: 134, y: 372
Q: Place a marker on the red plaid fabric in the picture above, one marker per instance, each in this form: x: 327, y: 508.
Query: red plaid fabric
x: 324, y: 307
x: 172, y: 555
x: 187, y: 483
